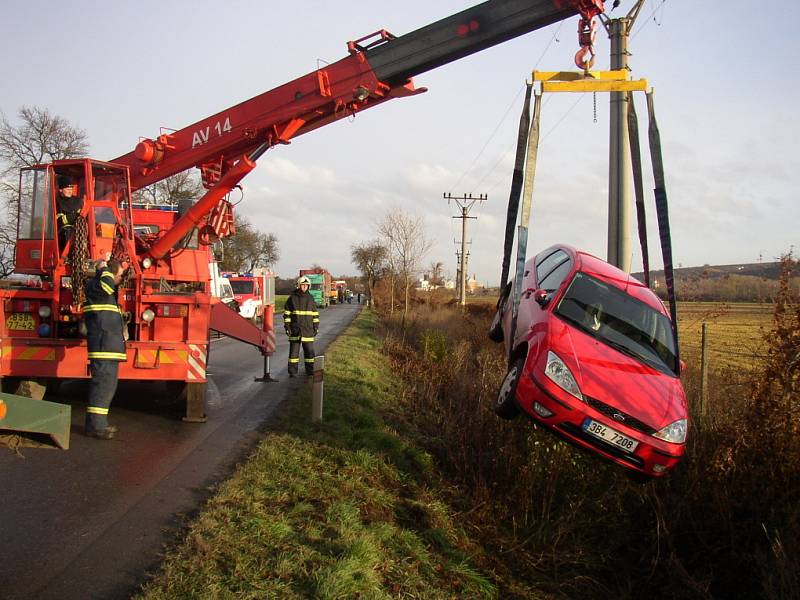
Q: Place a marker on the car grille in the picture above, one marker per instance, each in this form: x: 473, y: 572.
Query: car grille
x: 610, y: 411
x: 576, y: 431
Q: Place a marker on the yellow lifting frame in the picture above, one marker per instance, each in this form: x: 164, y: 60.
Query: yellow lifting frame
x: 590, y: 81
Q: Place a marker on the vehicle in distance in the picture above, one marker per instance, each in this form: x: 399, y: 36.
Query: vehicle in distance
x: 593, y: 359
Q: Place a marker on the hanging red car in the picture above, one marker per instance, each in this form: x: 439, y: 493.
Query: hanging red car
x: 594, y: 360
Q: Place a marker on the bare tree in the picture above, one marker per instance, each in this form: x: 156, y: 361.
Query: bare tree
x: 249, y: 248
x: 39, y: 137
x: 407, y: 242
x: 436, y: 277
x: 370, y: 258
x: 185, y: 185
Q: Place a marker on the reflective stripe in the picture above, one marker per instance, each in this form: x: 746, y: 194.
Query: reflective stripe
x: 294, y: 338
x: 287, y: 320
x: 308, y: 360
x: 315, y: 320
x: 304, y: 312
x: 106, y: 275
x: 106, y: 288
x: 100, y: 307
x: 287, y: 312
x: 96, y: 410
x: 108, y: 355
x: 294, y: 360
x: 306, y: 339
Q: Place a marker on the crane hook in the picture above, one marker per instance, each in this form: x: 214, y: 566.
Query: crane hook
x: 587, y: 32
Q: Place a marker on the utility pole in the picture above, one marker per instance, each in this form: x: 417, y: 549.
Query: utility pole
x: 619, y: 164
x: 465, y: 203
x: 461, y: 267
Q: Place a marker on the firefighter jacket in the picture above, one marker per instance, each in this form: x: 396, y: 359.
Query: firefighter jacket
x: 68, y: 210
x: 300, y: 317
x: 103, y: 317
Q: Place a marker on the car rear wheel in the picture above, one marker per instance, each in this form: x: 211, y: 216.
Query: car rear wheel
x: 506, y: 406
x: 496, y: 328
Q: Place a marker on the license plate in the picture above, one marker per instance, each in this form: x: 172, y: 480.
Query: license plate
x: 20, y: 322
x: 611, y: 436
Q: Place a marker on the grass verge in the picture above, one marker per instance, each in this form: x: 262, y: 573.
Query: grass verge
x: 347, y: 508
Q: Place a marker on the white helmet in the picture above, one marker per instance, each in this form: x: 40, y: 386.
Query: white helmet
x: 303, y: 280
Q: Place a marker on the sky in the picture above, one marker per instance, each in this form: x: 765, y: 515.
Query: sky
x: 726, y: 92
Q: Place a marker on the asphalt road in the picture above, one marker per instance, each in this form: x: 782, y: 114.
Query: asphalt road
x: 90, y: 522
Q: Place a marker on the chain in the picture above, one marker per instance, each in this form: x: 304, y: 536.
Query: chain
x: 77, y: 259
x: 121, y: 254
x: 594, y: 100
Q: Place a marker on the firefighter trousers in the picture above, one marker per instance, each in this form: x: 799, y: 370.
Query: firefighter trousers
x: 105, y: 374
x: 294, y: 356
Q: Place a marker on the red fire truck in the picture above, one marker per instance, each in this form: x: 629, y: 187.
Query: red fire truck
x: 252, y: 292
x: 166, y: 299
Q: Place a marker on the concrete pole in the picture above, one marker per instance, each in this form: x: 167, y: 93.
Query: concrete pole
x: 462, y: 284
x: 619, y: 166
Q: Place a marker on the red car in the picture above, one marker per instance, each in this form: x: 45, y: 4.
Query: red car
x: 594, y: 361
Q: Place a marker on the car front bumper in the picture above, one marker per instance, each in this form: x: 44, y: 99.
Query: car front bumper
x: 652, y: 456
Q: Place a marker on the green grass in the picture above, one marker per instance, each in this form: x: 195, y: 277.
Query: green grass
x: 347, y: 508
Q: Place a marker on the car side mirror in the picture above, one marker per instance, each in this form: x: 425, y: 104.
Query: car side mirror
x: 542, y: 297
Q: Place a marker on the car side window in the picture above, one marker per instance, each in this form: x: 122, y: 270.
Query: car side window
x: 550, y: 262
x: 553, y: 280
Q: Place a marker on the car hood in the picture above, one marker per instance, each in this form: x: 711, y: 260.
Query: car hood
x: 619, y: 380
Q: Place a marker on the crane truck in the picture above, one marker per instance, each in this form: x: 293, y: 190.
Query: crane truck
x: 166, y: 299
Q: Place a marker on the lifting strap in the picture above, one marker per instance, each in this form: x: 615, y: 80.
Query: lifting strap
x: 638, y: 187
x: 527, y: 197
x: 662, y: 212
x: 516, y: 185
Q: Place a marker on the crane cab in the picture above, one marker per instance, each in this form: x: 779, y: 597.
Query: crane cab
x: 67, y: 203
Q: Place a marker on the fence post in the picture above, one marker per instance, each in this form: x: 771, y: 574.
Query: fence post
x: 316, y: 389
x: 704, y: 371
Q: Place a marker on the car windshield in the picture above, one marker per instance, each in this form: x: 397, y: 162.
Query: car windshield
x: 242, y: 287
x: 620, y: 321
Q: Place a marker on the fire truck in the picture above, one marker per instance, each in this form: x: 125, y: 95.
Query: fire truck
x: 166, y: 300
x: 252, y: 292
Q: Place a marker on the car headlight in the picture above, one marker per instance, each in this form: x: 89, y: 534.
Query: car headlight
x: 560, y: 374
x: 674, y: 432
x: 147, y: 262
x: 148, y: 315
x: 45, y: 311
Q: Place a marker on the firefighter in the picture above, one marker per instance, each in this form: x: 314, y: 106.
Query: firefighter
x: 68, y: 207
x: 301, y: 321
x: 106, y: 341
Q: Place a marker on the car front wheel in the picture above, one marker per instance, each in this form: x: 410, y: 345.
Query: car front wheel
x: 506, y: 404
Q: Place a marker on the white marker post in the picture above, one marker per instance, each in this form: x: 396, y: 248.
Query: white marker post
x: 316, y: 391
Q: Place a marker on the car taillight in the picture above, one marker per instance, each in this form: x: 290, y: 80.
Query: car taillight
x: 171, y: 310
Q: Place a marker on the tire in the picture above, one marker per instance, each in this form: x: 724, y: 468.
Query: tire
x: 505, y: 405
x: 496, y: 328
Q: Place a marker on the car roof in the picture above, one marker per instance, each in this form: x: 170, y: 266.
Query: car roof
x: 597, y: 267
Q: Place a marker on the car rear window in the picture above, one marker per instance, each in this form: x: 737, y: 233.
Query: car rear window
x: 619, y: 321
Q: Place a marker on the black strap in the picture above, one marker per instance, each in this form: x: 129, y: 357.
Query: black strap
x: 516, y: 185
x: 636, y: 163
x: 527, y: 198
x: 662, y: 212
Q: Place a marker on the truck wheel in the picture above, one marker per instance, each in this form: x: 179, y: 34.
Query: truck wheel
x: 505, y: 405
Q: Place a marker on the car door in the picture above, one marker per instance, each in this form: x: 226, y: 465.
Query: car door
x: 552, y: 268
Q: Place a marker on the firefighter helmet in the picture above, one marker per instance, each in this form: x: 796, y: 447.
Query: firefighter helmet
x: 303, y: 280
